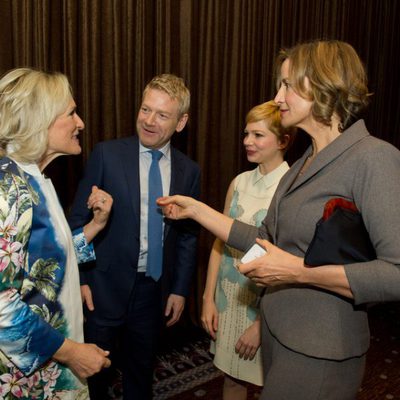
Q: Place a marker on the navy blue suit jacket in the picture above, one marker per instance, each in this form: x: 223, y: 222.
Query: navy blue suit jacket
x: 114, y: 167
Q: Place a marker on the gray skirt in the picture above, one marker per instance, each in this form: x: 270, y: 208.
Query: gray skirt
x: 294, y: 376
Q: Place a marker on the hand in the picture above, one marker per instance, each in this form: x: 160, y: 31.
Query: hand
x: 175, y: 305
x: 84, y: 359
x: 209, y: 318
x: 100, y: 202
x: 249, y: 342
x: 276, y: 267
x: 86, y: 295
x: 177, y: 207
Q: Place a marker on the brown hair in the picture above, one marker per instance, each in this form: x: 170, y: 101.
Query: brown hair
x: 336, y: 75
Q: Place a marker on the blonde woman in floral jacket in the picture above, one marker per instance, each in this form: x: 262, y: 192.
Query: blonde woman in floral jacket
x: 41, y: 351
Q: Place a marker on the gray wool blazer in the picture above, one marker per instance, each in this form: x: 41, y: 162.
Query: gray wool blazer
x: 356, y: 167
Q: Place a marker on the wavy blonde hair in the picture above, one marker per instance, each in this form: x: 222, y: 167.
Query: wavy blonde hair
x: 30, y: 101
x: 269, y: 112
x: 175, y: 88
x: 336, y: 75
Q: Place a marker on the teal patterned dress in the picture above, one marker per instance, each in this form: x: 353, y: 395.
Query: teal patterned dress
x: 236, y: 295
x: 40, y: 301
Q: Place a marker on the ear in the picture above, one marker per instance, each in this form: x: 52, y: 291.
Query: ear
x: 284, y: 142
x: 182, y: 122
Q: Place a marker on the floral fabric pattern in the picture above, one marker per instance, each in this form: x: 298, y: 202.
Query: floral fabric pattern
x: 84, y: 251
x: 33, y: 322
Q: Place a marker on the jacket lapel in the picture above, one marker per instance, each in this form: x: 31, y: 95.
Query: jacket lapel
x: 327, y: 155
x: 130, y: 161
x: 292, y: 181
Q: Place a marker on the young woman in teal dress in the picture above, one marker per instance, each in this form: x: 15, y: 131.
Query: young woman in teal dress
x: 229, y: 313
x: 42, y: 354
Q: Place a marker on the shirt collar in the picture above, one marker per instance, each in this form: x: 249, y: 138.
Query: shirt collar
x: 166, y: 150
x: 272, y: 177
x: 30, y: 168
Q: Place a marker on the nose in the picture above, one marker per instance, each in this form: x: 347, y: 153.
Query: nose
x: 247, y: 140
x: 150, y: 118
x: 79, y: 122
x: 280, y: 95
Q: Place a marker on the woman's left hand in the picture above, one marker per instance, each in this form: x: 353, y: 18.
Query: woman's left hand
x: 276, y: 267
x: 101, y: 203
x: 249, y: 342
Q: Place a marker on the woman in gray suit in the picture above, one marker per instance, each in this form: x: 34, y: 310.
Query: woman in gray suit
x: 314, y: 322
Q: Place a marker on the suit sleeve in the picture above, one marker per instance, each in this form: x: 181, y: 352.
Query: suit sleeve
x: 242, y: 235
x: 80, y: 215
x: 186, y: 245
x: 376, y: 194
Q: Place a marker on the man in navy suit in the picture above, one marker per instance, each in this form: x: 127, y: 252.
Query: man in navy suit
x: 122, y: 300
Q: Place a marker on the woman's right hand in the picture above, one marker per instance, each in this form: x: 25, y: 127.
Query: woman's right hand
x: 84, y: 359
x: 209, y: 318
x: 178, y: 207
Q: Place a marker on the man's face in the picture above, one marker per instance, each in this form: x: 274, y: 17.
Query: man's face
x: 158, y: 119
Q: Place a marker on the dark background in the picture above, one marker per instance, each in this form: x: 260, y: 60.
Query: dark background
x: 224, y: 49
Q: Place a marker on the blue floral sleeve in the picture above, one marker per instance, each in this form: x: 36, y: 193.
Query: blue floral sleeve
x: 26, y: 339
x: 84, y: 250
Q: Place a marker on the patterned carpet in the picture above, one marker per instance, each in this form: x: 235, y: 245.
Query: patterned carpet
x: 185, y: 370
x: 181, y: 370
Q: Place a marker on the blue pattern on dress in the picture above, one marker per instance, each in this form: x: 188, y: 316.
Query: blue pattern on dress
x: 259, y: 216
x: 228, y: 269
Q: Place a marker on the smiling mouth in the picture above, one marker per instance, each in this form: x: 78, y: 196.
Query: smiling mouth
x: 148, y: 132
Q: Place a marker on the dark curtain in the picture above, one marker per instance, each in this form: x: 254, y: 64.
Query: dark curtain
x: 224, y: 49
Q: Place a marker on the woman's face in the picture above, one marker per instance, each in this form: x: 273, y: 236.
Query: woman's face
x: 262, y: 146
x: 63, y: 133
x: 294, y: 109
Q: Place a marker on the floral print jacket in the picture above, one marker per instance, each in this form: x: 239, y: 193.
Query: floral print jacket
x: 33, y: 322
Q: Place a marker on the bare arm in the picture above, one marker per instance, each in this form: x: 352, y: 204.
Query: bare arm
x: 180, y: 207
x: 209, y: 314
x: 329, y: 277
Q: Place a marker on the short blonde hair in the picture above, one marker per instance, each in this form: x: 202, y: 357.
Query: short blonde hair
x: 174, y: 87
x: 30, y: 101
x: 337, y: 77
x: 269, y: 112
